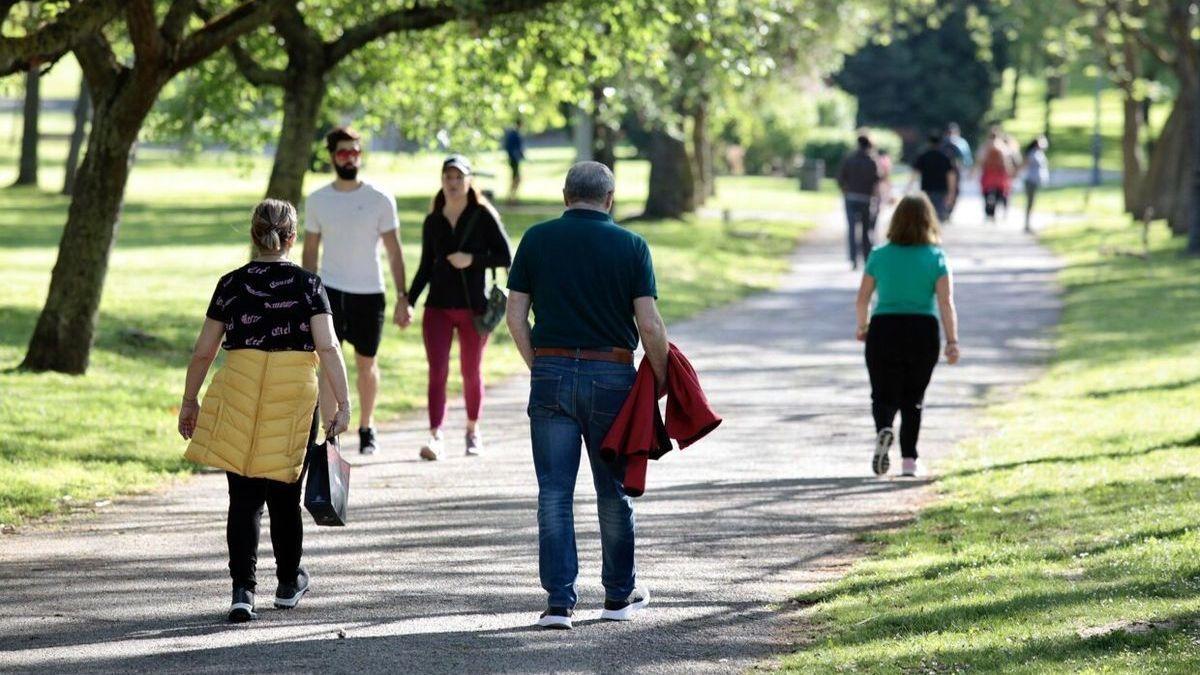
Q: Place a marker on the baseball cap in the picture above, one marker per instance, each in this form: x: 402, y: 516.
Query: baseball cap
x: 458, y: 162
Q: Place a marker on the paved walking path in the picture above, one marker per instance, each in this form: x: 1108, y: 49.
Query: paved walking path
x: 438, y: 572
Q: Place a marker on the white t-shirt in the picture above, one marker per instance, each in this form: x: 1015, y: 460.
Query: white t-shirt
x: 350, y: 224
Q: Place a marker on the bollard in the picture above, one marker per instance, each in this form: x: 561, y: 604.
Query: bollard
x: 811, y: 173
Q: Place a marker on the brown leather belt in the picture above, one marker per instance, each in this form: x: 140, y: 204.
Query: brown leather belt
x: 617, y: 355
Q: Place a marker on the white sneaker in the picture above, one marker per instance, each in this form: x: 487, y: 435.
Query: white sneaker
x: 473, y: 444
x: 622, y: 610
x: 431, y: 449
x: 908, y: 467
x: 556, y: 617
x: 883, y: 443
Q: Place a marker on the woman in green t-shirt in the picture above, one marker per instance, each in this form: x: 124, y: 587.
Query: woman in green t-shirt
x: 908, y: 274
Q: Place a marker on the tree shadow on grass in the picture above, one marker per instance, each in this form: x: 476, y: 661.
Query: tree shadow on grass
x: 1189, y: 442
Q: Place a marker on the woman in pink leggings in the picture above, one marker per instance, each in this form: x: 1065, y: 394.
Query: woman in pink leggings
x: 462, y: 237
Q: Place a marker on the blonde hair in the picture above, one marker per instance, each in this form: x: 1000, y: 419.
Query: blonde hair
x: 272, y: 225
x: 914, y: 222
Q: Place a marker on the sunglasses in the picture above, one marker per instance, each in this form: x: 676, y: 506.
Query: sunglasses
x: 347, y: 154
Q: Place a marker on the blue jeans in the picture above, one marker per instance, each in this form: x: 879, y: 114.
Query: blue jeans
x: 938, y: 199
x: 860, y: 215
x: 570, y: 400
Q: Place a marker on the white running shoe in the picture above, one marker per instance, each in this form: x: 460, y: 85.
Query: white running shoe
x: 883, y: 443
x: 431, y: 449
x: 622, y: 610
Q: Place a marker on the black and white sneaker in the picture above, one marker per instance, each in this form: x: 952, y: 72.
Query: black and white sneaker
x: 622, y: 610
x: 556, y: 617
x: 366, y: 441
x: 288, y: 595
x: 242, y: 609
x: 883, y: 443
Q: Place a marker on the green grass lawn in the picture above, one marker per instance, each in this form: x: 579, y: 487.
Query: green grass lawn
x: 68, y: 441
x: 1079, y: 514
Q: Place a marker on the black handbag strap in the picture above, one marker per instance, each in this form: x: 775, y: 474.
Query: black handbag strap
x: 308, y: 457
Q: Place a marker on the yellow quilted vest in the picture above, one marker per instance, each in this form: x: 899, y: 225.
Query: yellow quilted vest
x: 255, y: 417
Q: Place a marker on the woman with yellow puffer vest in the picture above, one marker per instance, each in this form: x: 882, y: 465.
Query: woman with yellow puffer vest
x: 259, y: 413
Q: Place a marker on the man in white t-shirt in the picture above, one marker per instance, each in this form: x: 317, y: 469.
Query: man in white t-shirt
x: 352, y: 218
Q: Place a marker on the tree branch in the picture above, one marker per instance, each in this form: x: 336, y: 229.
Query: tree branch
x: 254, y: 72
x: 224, y: 29
x: 177, y: 19
x: 52, y: 41
x: 250, y: 69
x: 98, y: 62
x: 416, y: 19
x: 148, y: 45
x: 1155, y: 50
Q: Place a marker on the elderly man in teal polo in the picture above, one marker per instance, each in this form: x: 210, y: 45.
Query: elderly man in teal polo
x: 590, y: 284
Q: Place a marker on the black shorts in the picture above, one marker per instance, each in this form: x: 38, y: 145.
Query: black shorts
x: 358, y: 319
x: 515, y: 165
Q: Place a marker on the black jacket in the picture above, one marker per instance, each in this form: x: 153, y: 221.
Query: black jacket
x: 487, y: 242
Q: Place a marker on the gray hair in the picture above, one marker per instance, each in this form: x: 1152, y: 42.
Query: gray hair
x: 589, y: 182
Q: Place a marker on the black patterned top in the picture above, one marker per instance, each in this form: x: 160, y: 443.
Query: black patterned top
x: 268, y: 306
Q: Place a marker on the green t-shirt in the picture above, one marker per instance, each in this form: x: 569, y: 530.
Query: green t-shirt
x: 906, y: 277
x: 583, y: 272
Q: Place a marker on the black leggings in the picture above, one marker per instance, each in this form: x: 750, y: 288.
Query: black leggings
x: 246, y: 499
x: 902, y: 350
x: 992, y: 198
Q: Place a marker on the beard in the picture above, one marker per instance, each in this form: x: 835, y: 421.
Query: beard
x: 346, y: 172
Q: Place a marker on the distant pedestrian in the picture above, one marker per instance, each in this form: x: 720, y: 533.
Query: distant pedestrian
x: 461, y: 238
x: 353, y: 219
x: 996, y: 166
x: 590, y: 284
x: 908, y: 274
x: 858, y: 178
x: 959, y: 151
x: 514, y: 147
x: 962, y: 149
x: 259, y: 413
x: 938, y: 176
x: 1037, y: 174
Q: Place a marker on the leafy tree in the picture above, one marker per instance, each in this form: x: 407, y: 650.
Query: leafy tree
x: 334, y: 54
x: 126, y: 65
x: 939, y: 69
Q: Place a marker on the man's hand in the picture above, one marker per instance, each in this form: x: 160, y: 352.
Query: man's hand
x: 404, y: 313
x: 460, y: 260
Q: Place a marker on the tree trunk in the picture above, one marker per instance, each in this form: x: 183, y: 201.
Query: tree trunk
x: 1133, y: 161
x: 672, y: 186
x: 604, y: 145
x: 1016, y: 92
x: 83, y: 106
x: 302, y: 98
x: 1193, y: 193
x: 702, y: 155
x: 28, y: 172
x: 1167, y: 181
x: 604, y: 135
x: 62, y: 339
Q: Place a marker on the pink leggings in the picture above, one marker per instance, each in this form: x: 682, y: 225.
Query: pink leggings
x: 438, y: 328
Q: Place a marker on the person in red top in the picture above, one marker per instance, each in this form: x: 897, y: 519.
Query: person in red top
x: 590, y: 284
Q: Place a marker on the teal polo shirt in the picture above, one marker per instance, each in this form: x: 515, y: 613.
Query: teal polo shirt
x: 583, y: 271
x: 906, y: 278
